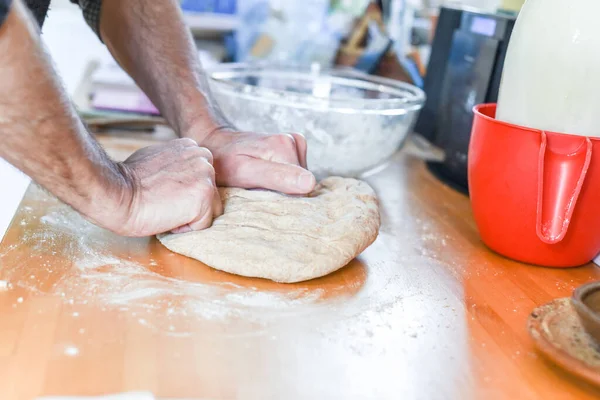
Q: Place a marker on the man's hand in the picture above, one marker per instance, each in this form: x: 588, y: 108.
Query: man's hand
x: 170, y: 186
x: 151, y: 42
x: 253, y: 160
x: 160, y: 188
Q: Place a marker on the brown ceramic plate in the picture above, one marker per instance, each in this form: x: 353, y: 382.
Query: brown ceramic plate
x: 586, y: 301
x: 558, y: 334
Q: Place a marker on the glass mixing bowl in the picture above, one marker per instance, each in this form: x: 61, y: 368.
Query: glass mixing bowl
x: 352, y: 122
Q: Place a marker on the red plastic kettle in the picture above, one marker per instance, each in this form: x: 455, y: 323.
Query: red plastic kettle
x: 535, y: 194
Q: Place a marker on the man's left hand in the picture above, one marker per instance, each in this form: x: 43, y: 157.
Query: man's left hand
x: 253, y: 160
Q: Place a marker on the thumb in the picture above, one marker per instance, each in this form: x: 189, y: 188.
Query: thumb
x: 285, y: 178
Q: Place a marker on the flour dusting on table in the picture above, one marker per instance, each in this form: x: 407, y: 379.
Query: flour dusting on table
x: 91, y: 267
x: 96, y: 276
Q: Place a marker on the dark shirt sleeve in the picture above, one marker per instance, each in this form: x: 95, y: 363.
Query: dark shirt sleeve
x: 4, y: 9
x: 91, y: 12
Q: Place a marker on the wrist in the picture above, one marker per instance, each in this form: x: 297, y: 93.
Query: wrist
x: 200, y: 118
x: 109, y: 197
x: 206, y: 134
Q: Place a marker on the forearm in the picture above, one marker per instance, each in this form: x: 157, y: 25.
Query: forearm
x: 39, y: 130
x: 151, y: 42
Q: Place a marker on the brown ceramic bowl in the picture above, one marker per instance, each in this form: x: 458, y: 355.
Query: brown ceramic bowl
x: 586, y: 300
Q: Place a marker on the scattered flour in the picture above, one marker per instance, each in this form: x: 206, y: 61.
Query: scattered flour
x: 89, y: 274
x: 71, y: 351
x: 93, y: 275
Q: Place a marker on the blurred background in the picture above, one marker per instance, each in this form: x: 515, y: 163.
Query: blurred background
x: 329, y: 32
x: 395, y: 34
x: 425, y: 64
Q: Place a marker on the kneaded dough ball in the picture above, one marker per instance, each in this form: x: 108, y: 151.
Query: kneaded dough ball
x: 286, y: 238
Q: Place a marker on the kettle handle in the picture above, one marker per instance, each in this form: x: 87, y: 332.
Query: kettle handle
x: 563, y: 164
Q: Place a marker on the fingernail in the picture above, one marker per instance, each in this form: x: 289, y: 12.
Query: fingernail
x: 306, y: 181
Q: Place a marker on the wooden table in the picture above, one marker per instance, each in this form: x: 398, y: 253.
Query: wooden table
x: 427, y: 312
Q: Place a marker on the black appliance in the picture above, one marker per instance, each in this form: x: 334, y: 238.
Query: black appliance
x: 465, y: 69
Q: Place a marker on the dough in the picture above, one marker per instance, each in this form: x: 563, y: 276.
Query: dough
x: 286, y: 238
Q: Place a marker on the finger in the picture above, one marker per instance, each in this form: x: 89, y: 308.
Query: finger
x: 211, y: 206
x: 182, y: 229
x: 283, y: 149
x: 193, y: 152
x: 301, y: 148
x: 185, y: 142
x: 205, y: 220
x: 208, y: 155
x: 285, y: 178
x: 217, y: 204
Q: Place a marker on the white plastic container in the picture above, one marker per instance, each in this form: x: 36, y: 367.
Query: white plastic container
x: 551, y: 78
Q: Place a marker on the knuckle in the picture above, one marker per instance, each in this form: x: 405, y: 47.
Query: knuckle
x: 199, y: 161
x: 206, y: 188
x: 284, y: 141
x: 206, y: 153
x: 200, y: 153
x: 187, y: 142
x: 205, y: 167
x: 298, y: 137
x: 203, y: 223
x: 210, y: 174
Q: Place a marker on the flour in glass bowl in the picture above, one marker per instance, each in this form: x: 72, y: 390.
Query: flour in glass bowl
x: 352, y: 122
x: 338, y: 145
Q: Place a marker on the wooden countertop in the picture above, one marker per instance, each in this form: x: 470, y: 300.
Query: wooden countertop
x: 427, y: 312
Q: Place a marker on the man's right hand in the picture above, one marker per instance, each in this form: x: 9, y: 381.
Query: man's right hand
x: 169, y: 187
